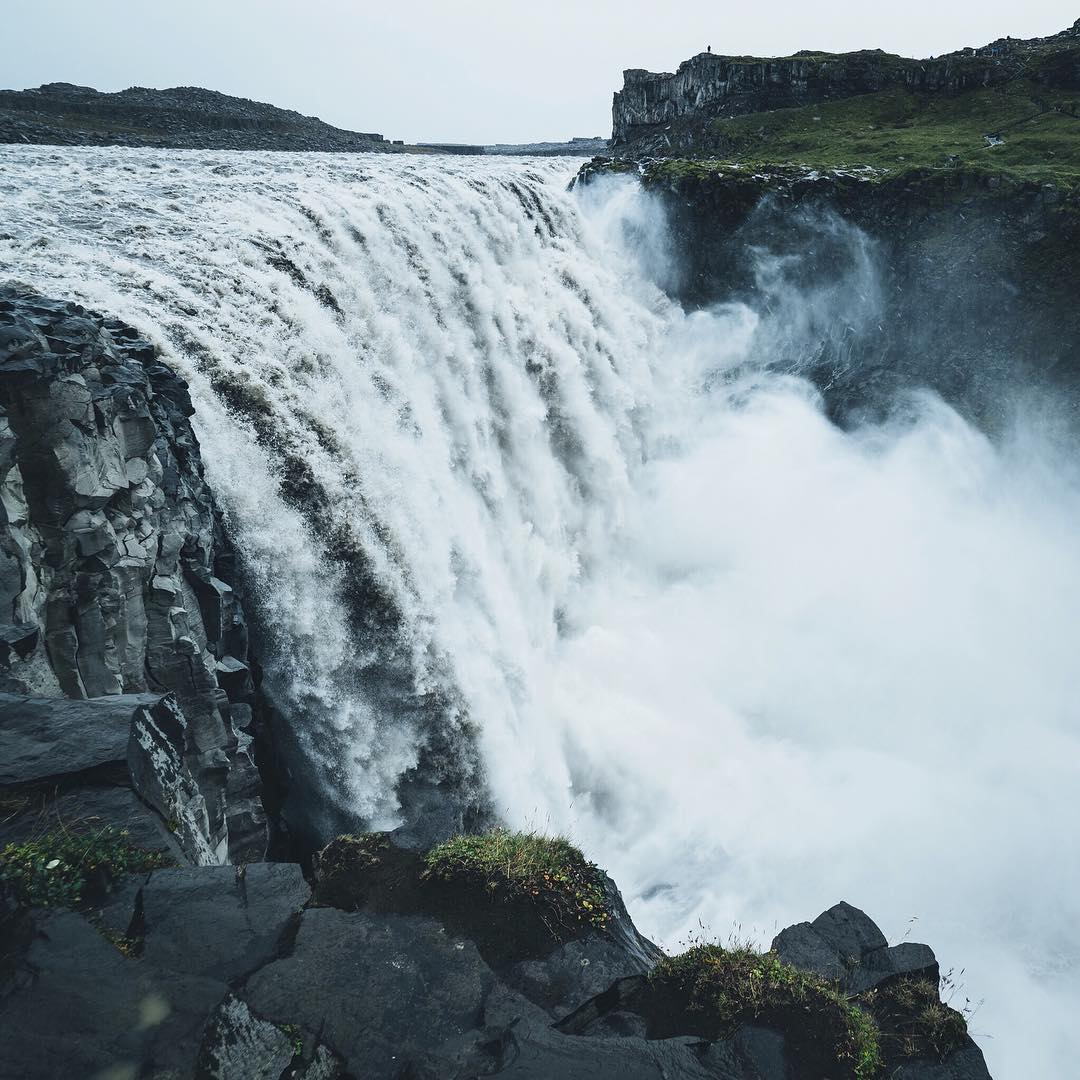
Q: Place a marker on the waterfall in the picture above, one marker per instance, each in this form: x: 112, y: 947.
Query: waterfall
x: 519, y: 527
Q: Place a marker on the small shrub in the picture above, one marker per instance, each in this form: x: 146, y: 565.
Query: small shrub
x: 549, y: 872
x: 56, y: 869
x: 712, y: 991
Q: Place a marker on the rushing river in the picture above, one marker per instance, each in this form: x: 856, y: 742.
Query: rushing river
x: 516, y: 523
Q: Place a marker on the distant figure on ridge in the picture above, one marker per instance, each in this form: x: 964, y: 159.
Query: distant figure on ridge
x: 708, y: 48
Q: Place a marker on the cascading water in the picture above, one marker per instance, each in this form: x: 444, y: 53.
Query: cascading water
x: 518, y: 525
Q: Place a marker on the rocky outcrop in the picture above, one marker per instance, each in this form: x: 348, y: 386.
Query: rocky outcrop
x: 184, y: 117
x: 238, y: 973
x: 955, y: 280
x: 648, y: 111
x: 117, y: 586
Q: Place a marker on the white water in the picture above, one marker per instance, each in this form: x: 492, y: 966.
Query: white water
x: 751, y: 663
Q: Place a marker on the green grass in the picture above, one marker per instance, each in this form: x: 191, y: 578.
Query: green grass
x: 724, y: 988
x: 896, y: 130
x: 548, y: 872
x: 57, y: 869
x: 923, y: 1026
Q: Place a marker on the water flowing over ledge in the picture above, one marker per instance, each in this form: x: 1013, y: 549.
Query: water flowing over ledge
x: 521, y: 529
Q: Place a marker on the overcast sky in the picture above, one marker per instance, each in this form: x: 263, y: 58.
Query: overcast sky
x: 464, y: 71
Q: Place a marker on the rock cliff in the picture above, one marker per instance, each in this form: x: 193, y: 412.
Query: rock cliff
x: 183, y: 117
x: 124, y: 664
x: 956, y: 280
x: 658, y: 112
x: 238, y: 973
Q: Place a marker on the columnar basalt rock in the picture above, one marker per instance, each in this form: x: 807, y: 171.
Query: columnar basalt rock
x: 115, y: 573
x: 710, y: 86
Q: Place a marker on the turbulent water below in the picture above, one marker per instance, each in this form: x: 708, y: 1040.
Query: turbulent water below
x: 515, y: 521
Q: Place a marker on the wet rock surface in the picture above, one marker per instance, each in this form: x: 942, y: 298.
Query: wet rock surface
x: 959, y: 282
x: 183, y: 117
x: 234, y: 973
x: 116, y: 587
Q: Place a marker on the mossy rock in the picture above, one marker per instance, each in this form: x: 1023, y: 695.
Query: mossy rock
x: 516, y: 895
x: 710, y: 991
x: 368, y: 871
x: 914, y: 1022
x: 70, y: 867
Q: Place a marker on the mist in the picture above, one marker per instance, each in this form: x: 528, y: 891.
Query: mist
x: 829, y: 664
x: 751, y: 661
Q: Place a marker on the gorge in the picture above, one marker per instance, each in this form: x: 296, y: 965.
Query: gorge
x: 721, y: 518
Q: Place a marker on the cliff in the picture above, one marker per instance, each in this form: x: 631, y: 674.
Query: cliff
x: 958, y: 280
x: 184, y: 117
x: 665, y: 112
x: 126, y: 691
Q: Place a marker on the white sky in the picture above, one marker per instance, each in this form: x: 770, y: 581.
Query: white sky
x: 467, y: 71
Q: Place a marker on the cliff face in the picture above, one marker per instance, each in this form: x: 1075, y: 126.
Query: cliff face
x: 184, y: 117
x: 958, y: 281
x: 117, y: 586
x: 710, y: 86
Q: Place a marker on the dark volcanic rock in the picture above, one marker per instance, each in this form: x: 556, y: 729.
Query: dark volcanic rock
x: 80, y: 1008
x: 843, y: 944
x: 222, y: 977
x: 184, y: 117
x: 410, y: 987
x: 44, y: 737
x: 115, y: 574
x: 223, y: 922
x: 556, y: 968
x: 957, y: 281
x: 654, y: 111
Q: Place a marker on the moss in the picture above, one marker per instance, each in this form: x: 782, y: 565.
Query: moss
x: 61, y: 867
x: 294, y: 1033
x: 548, y: 873
x: 895, y: 130
x: 711, y: 991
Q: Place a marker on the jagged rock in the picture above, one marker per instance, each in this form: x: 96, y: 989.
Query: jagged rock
x: 222, y: 922
x: 114, y: 566
x: 221, y: 977
x: 844, y: 944
x: 240, y: 1046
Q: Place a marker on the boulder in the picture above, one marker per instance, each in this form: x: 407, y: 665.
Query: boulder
x: 51, y: 737
x: 845, y: 945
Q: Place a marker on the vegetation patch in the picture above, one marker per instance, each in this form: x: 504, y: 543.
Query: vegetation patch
x: 915, y: 1023
x: 61, y: 867
x: 1022, y: 129
x: 710, y: 991
x: 548, y: 874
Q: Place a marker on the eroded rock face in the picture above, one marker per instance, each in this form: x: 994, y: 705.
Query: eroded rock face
x: 955, y: 281
x: 709, y: 85
x: 115, y: 574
